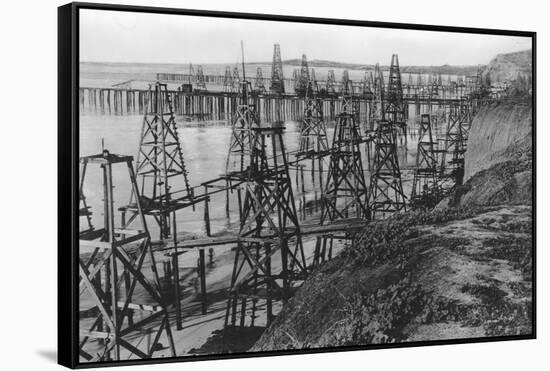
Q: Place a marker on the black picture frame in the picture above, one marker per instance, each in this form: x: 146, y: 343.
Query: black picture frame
x: 68, y: 172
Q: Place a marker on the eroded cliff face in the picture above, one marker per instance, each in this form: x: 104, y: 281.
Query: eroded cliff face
x: 509, y: 66
x: 500, y: 132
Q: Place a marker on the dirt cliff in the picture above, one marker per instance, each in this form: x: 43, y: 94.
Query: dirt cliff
x: 500, y: 132
x: 509, y: 66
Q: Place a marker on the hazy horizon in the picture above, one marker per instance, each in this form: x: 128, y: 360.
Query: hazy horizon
x: 145, y: 38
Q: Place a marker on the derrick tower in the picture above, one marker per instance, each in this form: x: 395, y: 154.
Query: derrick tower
x: 259, y: 84
x: 160, y: 167
x: 199, y: 79
x: 303, y: 82
x: 277, y: 79
x: 122, y: 300
x: 269, y: 231
x: 313, y: 131
x: 236, y: 79
x: 191, y: 73
x: 228, y: 80
x: 456, y: 137
x: 395, y: 109
x: 313, y: 80
x: 386, y: 188
x: 244, y: 119
x: 377, y: 103
x: 345, y: 194
x: 331, y: 82
x: 347, y: 85
x: 425, y: 189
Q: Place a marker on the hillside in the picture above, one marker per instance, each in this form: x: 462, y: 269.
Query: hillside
x: 460, y: 271
x: 508, y: 67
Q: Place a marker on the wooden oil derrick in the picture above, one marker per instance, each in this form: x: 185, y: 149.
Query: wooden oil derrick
x: 126, y: 305
x: 160, y: 167
x: 277, y: 79
x: 244, y: 119
x: 386, y: 187
x: 313, y: 131
x: 313, y: 80
x: 425, y: 190
x: 395, y: 108
x: 295, y: 79
x: 228, y: 80
x: 269, y: 232
x: 376, y: 111
x: 347, y: 85
x: 303, y: 81
x: 259, y: 84
x: 236, y: 79
x: 345, y: 194
x: 456, y: 137
x: 331, y: 83
x: 192, y: 75
x: 367, y: 85
x: 200, y: 84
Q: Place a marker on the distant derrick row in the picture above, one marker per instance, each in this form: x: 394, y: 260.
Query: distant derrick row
x: 269, y: 259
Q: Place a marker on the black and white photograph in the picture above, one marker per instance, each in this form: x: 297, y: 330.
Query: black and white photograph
x: 248, y: 186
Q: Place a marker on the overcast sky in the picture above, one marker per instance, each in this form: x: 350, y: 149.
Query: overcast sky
x: 113, y: 36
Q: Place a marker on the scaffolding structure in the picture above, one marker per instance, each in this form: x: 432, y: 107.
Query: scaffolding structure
x: 330, y: 87
x: 112, y: 262
x: 244, y: 119
x: 455, y: 144
x: 160, y: 166
x: 346, y: 193
x: 425, y: 189
x: 277, y: 79
x: 200, y: 83
x: 228, y: 86
x: 303, y: 79
x: 386, y: 187
x: 259, y: 84
x: 269, y: 231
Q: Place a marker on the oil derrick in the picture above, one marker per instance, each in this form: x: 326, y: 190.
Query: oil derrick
x: 377, y: 103
x: 228, y: 80
x: 269, y: 231
x: 346, y: 193
x: 160, y: 165
x: 313, y: 131
x: 452, y: 162
x: 347, y: 85
x: 303, y: 82
x: 244, y: 119
x: 434, y: 87
x: 386, y: 188
x: 313, y: 80
x: 126, y: 305
x: 199, y: 79
x: 395, y: 109
x: 366, y: 85
x: 191, y: 74
x: 236, y: 79
x: 425, y: 190
x: 331, y: 83
x: 295, y: 79
x: 259, y: 84
x: 277, y: 79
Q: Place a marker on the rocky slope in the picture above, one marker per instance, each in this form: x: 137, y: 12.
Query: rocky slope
x: 507, y: 67
x: 460, y: 271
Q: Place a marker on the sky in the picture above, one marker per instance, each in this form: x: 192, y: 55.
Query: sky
x: 116, y: 36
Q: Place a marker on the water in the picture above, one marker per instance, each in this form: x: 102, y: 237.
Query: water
x: 205, y: 151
